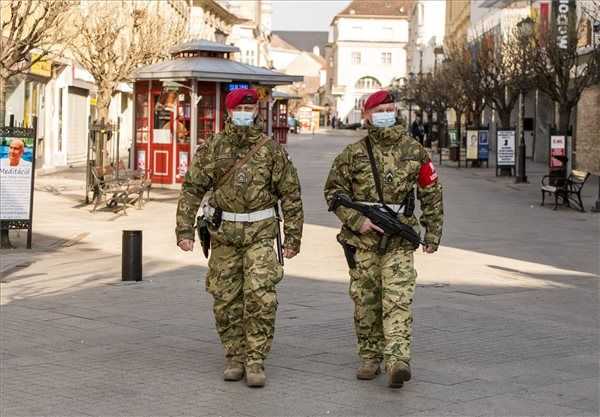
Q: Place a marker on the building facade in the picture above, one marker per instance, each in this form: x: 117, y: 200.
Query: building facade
x: 458, y: 20
x: 368, y: 41
x: 426, y: 35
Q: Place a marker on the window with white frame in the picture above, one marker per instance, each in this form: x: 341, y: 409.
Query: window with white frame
x: 386, y: 58
x: 356, y: 58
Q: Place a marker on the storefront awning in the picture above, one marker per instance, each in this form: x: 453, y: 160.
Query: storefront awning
x: 212, y: 69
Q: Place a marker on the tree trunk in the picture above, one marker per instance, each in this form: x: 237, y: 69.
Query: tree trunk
x: 103, y: 105
x: 564, y: 117
x: 504, y: 116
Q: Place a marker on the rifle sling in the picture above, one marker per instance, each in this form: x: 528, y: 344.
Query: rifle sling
x: 375, y: 171
x: 241, y: 162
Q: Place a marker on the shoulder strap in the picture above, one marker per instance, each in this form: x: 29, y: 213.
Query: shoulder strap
x: 374, y: 170
x: 241, y: 162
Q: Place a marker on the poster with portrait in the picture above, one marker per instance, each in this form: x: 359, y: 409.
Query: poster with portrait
x: 183, y: 163
x: 472, y: 144
x: 506, y: 150
x: 16, y: 175
x: 141, y: 160
x: 484, y: 145
x: 453, y: 138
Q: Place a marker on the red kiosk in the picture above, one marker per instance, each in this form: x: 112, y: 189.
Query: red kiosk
x: 179, y: 103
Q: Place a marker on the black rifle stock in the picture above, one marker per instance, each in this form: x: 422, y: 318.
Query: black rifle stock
x: 382, y: 217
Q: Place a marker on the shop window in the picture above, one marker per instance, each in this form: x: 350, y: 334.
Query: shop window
x: 141, y: 117
x: 206, y: 118
x: 184, y: 117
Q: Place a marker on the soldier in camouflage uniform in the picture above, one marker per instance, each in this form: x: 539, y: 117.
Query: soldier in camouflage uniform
x: 243, y: 267
x: 382, y: 286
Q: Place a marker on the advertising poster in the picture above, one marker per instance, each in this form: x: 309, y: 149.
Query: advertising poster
x: 453, y: 138
x: 484, y: 145
x: 558, y: 147
x: 472, y: 144
x: 182, y: 168
x: 16, y: 169
x: 141, y: 160
x: 506, y: 148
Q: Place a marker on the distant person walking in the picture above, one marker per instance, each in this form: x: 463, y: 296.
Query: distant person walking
x: 417, y: 130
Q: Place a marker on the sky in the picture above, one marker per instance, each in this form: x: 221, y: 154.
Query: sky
x: 312, y: 15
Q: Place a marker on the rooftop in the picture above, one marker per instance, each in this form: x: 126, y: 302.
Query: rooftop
x: 376, y: 8
x: 202, y: 45
x: 304, y: 40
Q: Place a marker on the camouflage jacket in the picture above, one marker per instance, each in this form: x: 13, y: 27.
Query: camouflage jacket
x: 399, y: 161
x: 267, y: 177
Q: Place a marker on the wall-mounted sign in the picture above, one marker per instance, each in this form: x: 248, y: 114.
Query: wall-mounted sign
x: 235, y: 86
x: 472, y: 144
x: 505, y: 150
x: 558, y: 147
x: 42, y: 67
x: 484, y: 145
x: 564, y: 20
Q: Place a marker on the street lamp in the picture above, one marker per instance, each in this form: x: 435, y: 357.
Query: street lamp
x: 525, y: 28
x: 409, y: 97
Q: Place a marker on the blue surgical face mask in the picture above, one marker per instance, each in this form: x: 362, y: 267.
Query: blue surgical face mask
x: 383, y: 119
x: 242, y: 118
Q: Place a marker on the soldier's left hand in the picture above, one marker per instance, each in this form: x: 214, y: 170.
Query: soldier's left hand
x: 289, y: 253
x: 428, y: 249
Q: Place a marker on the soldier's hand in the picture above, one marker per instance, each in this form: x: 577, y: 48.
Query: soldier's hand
x: 428, y: 249
x: 186, y: 244
x: 289, y: 253
x: 368, y: 226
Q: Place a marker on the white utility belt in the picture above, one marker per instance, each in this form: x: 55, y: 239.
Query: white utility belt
x: 398, y: 208
x: 255, y: 216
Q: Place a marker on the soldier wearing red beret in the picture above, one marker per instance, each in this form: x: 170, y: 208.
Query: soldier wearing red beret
x: 384, y: 169
x: 247, y: 175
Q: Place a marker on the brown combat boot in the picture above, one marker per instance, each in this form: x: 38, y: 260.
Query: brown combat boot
x: 255, y: 375
x: 234, y: 370
x: 398, y: 372
x: 368, y: 369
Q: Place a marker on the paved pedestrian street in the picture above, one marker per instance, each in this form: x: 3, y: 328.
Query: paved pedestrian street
x: 506, y: 313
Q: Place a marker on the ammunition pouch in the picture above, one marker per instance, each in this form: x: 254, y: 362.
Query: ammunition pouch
x: 349, y: 253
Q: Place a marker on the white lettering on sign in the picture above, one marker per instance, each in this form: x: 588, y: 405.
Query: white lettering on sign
x: 562, y: 24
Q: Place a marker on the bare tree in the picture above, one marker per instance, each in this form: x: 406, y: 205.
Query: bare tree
x: 28, y: 27
x: 114, y: 38
x: 564, y: 70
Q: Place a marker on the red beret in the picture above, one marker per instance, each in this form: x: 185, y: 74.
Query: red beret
x: 377, y: 98
x: 241, y: 96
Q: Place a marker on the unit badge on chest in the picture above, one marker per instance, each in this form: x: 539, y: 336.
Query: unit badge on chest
x: 389, y: 177
x: 242, y: 178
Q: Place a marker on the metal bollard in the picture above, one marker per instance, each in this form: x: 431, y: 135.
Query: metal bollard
x: 131, y: 262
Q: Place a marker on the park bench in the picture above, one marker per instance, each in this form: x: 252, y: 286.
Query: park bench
x: 118, y: 189
x: 567, y: 189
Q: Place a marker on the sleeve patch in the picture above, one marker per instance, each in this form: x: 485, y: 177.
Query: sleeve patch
x: 427, y: 175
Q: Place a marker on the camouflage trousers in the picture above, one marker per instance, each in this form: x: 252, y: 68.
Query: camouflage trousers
x: 242, y: 281
x: 382, y: 288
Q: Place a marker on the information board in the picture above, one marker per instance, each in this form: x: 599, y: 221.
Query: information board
x: 484, y: 146
x: 506, y: 150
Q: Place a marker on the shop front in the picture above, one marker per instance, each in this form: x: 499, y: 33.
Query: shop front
x: 179, y: 104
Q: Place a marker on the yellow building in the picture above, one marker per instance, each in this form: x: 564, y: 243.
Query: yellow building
x: 458, y: 20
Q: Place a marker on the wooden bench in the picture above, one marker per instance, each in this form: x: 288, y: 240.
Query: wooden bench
x: 117, y: 190
x: 567, y: 189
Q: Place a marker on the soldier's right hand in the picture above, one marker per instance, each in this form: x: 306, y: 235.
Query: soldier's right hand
x: 186, y: 244
x: 368, y: 226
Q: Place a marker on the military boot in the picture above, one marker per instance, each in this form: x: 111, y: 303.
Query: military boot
x: 368, y: 369
x: 255, y: 375
x: 398, y: 372
x: 234, y: 370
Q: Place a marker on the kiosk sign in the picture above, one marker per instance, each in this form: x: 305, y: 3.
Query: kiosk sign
x: 484, y: 146
x: 558, y: 145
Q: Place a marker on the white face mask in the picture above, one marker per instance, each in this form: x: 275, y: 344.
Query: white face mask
x: 242, y: 118
x: 383, y: 119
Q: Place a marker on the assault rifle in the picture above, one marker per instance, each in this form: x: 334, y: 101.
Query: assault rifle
x: 381, y: 216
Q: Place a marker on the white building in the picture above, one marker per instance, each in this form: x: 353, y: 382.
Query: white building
x: 368, y: 41
x: 427, y: 28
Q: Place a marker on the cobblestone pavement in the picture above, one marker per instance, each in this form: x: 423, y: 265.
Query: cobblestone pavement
x: 506, y: 313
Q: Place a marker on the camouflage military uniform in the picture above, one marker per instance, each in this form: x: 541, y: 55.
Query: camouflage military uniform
x: 243, y: 267
x: 382, y: 287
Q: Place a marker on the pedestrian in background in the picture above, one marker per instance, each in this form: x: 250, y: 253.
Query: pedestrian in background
x: 247, y: 174
x: 417, y: 129
x: 382, y: 284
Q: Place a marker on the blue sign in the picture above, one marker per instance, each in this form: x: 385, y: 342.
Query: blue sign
x: 484, y: 145
x: 235, y: 86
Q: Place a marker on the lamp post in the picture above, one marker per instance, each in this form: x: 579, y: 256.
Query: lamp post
x: 410, y: 98
x: 525, y: 27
